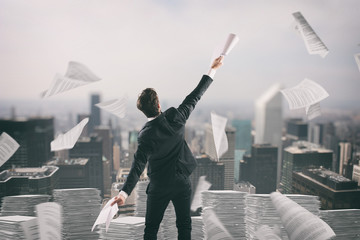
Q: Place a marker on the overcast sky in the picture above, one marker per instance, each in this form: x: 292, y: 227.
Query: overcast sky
x: 167, y: 45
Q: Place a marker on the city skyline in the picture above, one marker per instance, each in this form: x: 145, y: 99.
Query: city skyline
x: 166, y: 45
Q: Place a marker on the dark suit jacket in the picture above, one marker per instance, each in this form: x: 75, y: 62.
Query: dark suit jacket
x: 161, y: 143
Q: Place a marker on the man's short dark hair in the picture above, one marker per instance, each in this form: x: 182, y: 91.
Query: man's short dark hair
x: 148, y: 102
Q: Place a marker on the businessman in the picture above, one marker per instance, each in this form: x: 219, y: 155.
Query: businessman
x: 161, y: 144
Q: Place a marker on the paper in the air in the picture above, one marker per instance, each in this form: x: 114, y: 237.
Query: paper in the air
x: 106, y: 214
x: 8, y: 147
x: 49, y: 217
x: 202, y: 185
x: 225, y: 48
x: 115, y: 106
x: 68, y: 140
x: 214, y: 229
x: 313, y: 111
x: 313, y: 43
x: 218, y: 124
x: 357, y: 59
x: 76, y: 75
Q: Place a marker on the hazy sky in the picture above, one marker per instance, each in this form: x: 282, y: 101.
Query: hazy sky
x: 167, y: 45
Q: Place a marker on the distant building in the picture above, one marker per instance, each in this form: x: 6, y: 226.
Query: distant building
x: 262, y: 168
x: 133, y: 144
x: 91, y: 148
x: 23, y: 181
x: 73, y: 173
x: 302, y: 155
x: 95, y: 117
x: 316, y: 133
x: 344, y: 158
x: 356, y: 174
x: 244, y: 186
x: 214, y: 172
x: 269, y: 121
x: 107, y: 140
x: 243, y: 138
x: 296, y: 129
x: 116, y: 156
x: 107, y: 177
x: 334, y: 190
x: 34, y: 136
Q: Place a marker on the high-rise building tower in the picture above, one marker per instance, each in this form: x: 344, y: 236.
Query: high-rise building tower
x: 95, y: 117
x: 116, y: 156
x: 268, y: 121
x: 133, y: 144
x: 262, y: 167
x: 300, y: 155
x: 243, y: 139
x: 34, y: 136
x: 344, y: 158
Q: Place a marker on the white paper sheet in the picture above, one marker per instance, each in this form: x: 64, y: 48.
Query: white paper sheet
x: 357, y: 60
x: 304, y: 94
x: 30, y: 229
x: 264, y: 232
x: 218, y: 124
x: 49, y: 217
x: 8, y: 147
x: 77, y: 75
x: 68, y: 140
x: 225, y: 48
x: 115, y: 106
x: 313, y: 43
x: 106, y: 214
x: 313, y: 111
x: 214, y: 229
x: 298, y: 222
x: 202, y: 185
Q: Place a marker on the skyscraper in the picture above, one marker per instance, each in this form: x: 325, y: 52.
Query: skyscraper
x: 268, y: 121
x: 34, y: 136
x: 133, y: 144
x: 262, y: 167
x: 95, y: 117
x: 243, y: 139
x: 344, y: 158
x: 300, y: 155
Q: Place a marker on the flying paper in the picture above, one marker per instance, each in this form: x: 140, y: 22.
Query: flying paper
x: 68, y: 140
x: 213, y: 227
x: 106, y: 214
x: 218, y: 124
x: 77, y: 75
x: 115, y: 106
x: 313, y: 111
x: 313, y: 43
x: 357, y: 59
x: 202, y: 185
x: 8, y: 147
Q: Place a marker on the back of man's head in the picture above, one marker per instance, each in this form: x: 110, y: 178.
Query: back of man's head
x: 148, y: 103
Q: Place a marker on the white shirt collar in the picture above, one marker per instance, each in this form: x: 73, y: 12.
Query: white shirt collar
x: 152, y: 118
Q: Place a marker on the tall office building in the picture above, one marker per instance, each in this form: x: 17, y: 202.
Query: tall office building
x: 300, y: 155
x: 24, y: 181
x: 296, y: 129
x: 104, y: 132
x: 356, y: 174
x: 268, y: 121
x: 34, y: 136
x: 262, y: 167
x: 334, y: 190
x: 227, y: 158
x: 133, y: 144
x: 316, y: 133
x: 243, y: 139
x: 91, y: 148
x: 95, y: 117
x: 116, y: 156
x: 344, y: 158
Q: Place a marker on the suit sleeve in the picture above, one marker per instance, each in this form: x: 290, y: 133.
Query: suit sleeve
x: 188, y: 105
x: 136, y: 169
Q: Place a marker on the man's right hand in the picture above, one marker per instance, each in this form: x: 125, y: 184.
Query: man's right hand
x: 217, y: 63
x: 119, y: 199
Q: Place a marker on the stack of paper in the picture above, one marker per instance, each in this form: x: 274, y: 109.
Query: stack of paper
x: 313, y: 43
x: 140, y: 210
x: 168, y: 230
x: 80, y: 207
x: 128, y: 227
x: 22, y: 204
x: 307, y: 94
x: 18, y: 227
x: 344, y: 222
x: 197, y: 228
x: 229, y: 207
x: 49, y: 218
x: 260, y: 211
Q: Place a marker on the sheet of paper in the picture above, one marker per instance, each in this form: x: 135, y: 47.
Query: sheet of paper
x: 77, y: 75
x: 8, y: 147
x: 202, y: 185
x: 115, y: 106
x: 218, y: 124
x: 49, y: 217
x: 30, y: 229
x: 313, y: 111
x: 298, y: 222
x: 357, y: 60
x: 225, y: 48
x: 264, y: 232
x: 68, y: 140
x: 313, y: 43
x: 106, y: 214
x: 306, y: 93
x: 214, y: 229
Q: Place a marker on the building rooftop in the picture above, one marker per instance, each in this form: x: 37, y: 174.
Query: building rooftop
x: 72, y: 161
x: 31, y: 173
x: 301, y: 147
